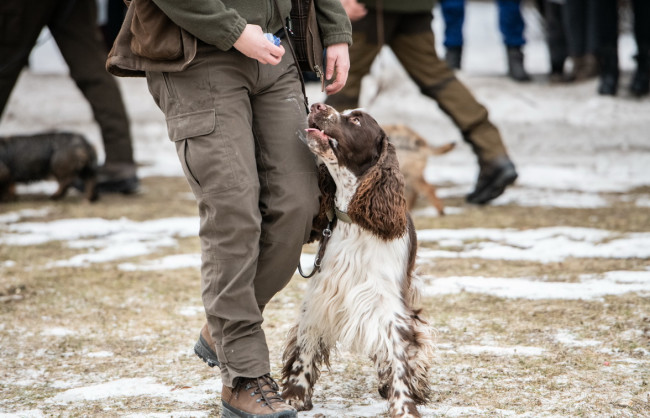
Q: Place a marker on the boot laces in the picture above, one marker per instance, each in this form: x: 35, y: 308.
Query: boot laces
x: 264, y: 386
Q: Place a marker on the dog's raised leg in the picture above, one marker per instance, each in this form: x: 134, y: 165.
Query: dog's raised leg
x: 403, y: 366
x: 302, y: 358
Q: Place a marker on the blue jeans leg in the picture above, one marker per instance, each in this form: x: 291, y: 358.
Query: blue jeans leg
x: 453, y: 13
x: 511, y: 22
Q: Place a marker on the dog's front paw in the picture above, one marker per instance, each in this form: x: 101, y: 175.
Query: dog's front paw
x: 383, y: 390
x: 300, y: 405
x: 295, y: 397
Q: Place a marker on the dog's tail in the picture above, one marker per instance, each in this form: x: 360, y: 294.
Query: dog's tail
x: 442, y: 149
x: 406, y: 139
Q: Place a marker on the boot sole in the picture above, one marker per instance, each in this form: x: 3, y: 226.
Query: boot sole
x: 205, y: 353
x: 232, y: 412
x: 495, y: 189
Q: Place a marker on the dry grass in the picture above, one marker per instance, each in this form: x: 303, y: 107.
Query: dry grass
x: 137, y: 317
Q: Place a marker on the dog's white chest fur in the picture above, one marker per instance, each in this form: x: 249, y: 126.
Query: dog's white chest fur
x: 360, y: 279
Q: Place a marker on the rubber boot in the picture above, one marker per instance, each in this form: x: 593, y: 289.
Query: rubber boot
x: 516, y: 69
x: 608, y: 64
x: 453, y: 56
x: 640, y: 85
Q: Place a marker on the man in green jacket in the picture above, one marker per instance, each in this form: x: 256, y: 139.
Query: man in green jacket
x: 235, y: 111
x: 405, y: 26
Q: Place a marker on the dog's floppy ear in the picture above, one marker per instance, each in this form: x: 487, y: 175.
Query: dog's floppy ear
x: 379, y: 204
x: 328, y: 192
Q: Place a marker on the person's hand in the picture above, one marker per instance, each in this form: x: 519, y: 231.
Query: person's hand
x: 253, y: 44
x: 338, y: 61
x: 354, y: 9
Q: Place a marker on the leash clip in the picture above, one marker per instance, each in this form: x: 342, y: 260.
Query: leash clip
x: 327, y: 233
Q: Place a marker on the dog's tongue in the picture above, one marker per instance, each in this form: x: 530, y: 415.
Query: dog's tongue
x: 316, y: 132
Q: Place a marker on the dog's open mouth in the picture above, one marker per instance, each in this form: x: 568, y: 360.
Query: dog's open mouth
x: 319, y: 137
x: 316, y: 133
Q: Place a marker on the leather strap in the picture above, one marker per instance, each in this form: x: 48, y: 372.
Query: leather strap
x: 295, y: 60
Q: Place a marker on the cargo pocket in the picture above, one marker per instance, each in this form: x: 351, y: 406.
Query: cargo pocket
x: 182, y: 129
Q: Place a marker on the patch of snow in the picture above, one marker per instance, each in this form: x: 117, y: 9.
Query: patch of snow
x: 12, y: 217
x: 97, y: 354
x: 171, y: 262
x: 192, y: 310
x: 31, y: 413
x: 57, y: 332
x: 501, y: 351
x: 591, y: 287
x: 542, y: 244
x: 568, y: 339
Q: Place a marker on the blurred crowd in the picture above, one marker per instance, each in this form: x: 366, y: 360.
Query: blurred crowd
x: 583, y: 36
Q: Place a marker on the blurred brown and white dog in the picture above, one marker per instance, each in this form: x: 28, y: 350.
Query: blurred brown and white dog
x: 63, y: 155
x: 363, y: 294
x: 413, y: 152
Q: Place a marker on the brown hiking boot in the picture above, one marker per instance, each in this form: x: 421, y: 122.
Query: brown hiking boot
x: 254, y: 398
x: 204, y: 347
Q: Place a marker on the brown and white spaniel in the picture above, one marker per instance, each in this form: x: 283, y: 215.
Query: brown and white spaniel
x: 362, y: 294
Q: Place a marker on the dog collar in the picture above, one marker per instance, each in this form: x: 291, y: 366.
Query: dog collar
x: 342, y: 216
x: 338, y: 214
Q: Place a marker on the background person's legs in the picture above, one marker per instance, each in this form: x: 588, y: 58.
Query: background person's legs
x: 640, y: 85
x: 21, y: 22
x: 607, y: 15
x: 414, y: 46
x: 453, y: 13
x: 81, y: 43
x: 511, y: 24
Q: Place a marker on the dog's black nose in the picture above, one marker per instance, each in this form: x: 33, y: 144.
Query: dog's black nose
x: 318, y: 107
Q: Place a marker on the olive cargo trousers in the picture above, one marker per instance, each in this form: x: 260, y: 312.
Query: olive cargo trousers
x: 411, y: 38
x: 236, y: 125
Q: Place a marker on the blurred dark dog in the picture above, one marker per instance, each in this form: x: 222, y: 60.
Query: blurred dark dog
x: 413, y: 153
x: 65, y: 156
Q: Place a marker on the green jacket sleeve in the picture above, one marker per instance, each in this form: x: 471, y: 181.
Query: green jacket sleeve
x: 209, y: 20
x: 333, y: 22
x: 221, y: 22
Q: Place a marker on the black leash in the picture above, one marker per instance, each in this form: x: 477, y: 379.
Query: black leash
x: 327, y: 233
x: 333, y: 215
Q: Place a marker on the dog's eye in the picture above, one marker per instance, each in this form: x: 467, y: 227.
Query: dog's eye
x: 356, y: 120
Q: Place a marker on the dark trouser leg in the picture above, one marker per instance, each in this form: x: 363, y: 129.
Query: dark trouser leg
x: 640, y: 85
x: 607, y: 46
x: 555, y: 37
x: 21, y: 22
x: 82, y: 47
x: 581, y: 31
x: 575, y: 23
